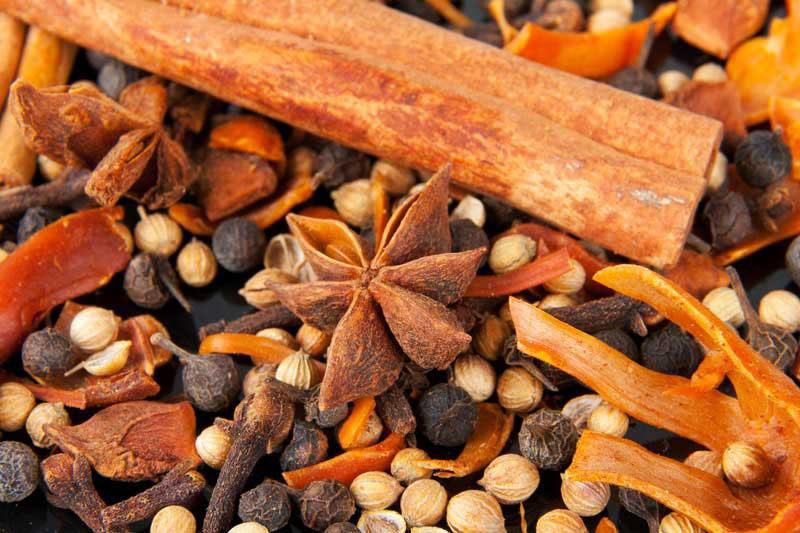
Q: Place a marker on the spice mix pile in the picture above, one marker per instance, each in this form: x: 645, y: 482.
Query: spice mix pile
x: 394, y: 333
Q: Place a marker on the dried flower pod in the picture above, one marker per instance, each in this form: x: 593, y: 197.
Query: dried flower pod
x: 45, y: 413
x: 280, y: 335
x: 569, y: 282
x: 266, y: 504
x: 585, y: 498
x: 762, y: 158
x: 342, y: 527
x: 47, y: 353
x: 284, y: 253
x: 678, y: 523
x: 213, y: 445
x: 34, y: 219
x: 381, y: 521
x: 298, y: 370
x: 518, y: 391
x: 710, y: 73
x: 257, y: 377
x: 475, y: 511
x: 423, y: 503
x: 670, y: 81
x: 405, y: 468
x: 475, y: 375
x: 19, y: 471
x: 93, y: 328
x: 375, y: 490
x: 324, y: 503
x: 447, y: 415
x: 314, y: 341
x: 309, y: 446
x: 722, y: 302
x: 488, y: 341
x: 255, y: 290
x: 16, y: 403
x: 781, y: 309
x: 337, y: 164
x: 173, y: 519
x: 511, y: 252
x: 718, y: 177
x: 548, y: 439
x: 747, y: 465
x: 560, y: 521
x: 607, y: 19
x: 554, y: 301
x: 728, y: 218
x: 353, y: 201
x: 670, y: 350
x: 470, y: 208
x: 620, y: 341
x: 396, y: 179
x: 707, y: 461
x: 609, y: 420
x: 510, y: 478
x: 248, y: 527
x: 107, y: 361
x: 238, y: 244
x: 157, y: 233
x: 196, y: 264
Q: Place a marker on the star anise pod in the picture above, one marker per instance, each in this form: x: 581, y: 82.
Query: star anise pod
x: 124, y: 142
x: 383, y: 307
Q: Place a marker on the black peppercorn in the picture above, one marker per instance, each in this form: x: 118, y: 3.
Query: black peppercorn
x: 267, y: 504
x: 620, y: 341
x: 34, y: 219
x: 150, y: 280
x: 670, y: 350
x: 447, y: 415
x: 466, y: 235
x: 635, y: 80
x: 342, y: 527
x: 324, y: 503
x: 337, y: 164
x: 728, y: 218
x: 308, y: 446
x: 48, y: 353
x: 762, y: 158
x: 548, y: 438
x: 19, y: 471
x: 238, y: 244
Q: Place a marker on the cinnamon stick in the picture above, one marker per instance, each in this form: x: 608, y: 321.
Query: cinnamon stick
x: 12, y: 34
x: 46, y: 60
x: 624, y: 121
x: 400, y: 114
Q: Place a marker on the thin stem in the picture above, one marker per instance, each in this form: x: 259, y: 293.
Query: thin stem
x: 750, y: 315
x: 161, y: 340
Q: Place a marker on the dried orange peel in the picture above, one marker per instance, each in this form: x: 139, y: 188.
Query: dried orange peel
x: 766, y: 411
x: 785, y: 113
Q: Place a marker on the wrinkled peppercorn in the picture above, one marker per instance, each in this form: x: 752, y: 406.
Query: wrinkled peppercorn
x: 19, y: 471
x: 267, y: 504
x: 728, y: 218
x: 337, y: 164
x: 324, y: 503
x: 447, y: 415
x: 548, y: 438
x: 48, y: 353
x: 34, y: 219
x: 466, y: 235
x: 620, y: 341
x: 762, y: 158
x: 670, y: 350
x: 342, y: 527
x: 238, y: 244
x: 308, y: 446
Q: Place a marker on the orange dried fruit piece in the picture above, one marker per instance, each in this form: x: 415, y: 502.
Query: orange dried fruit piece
x: 785, y: 113
x: 253, y: 135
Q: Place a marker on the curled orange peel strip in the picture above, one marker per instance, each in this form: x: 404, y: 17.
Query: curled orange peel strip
x: 766, y: 411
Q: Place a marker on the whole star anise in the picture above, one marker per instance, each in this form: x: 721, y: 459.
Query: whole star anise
x: 383, y: 307
x: 123, y: 142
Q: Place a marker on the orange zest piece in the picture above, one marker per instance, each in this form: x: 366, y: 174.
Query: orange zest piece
x: 785, y: 113
x: 497, y: 8
x: 347, y: 466
x: 295, y: 191
x: 491, y: 434
x: 356, y: 421
x: 192, y: 219
x: 605, y: 526
x: 534, y: 273
x: 766, y: 410
x: 253, y: 135
x: 593, y: 55
x: 453, y: 15
x: 261, y: 349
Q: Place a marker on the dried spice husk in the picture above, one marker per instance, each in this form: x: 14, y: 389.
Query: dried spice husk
x: 765, y: 412
x: 490, y: 436
x: 717, y: 27
x: 132, y: 441
x: 124, y: 142
x: 73, y: 256
x: 252, y: 135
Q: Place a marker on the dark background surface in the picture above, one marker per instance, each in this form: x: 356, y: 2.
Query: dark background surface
x: 761, y: 273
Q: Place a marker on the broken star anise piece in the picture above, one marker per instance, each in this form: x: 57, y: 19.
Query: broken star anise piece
x: 124, y: 142
x: 393, y: 304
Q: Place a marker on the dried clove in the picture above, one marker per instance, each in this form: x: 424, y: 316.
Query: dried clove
x: 179, y: 487
x: 268, y: 504
x: 211, y: 382
x: 261, y: 421
x: 620, y: 341
x: 324, y: 503
x: 642, y: 506
x: 69, y: 188
x: 611, y: 312
x: 149, y: 281
x: 34, y: 219
x: 728, y: 218
x: 395, y: 411
x: 670, y: 350
x: 447, y: 415
x: 775, y: 344
x: 337, y: 164
x: 274, y: 315
x: 308, y: 446
x: 548, y: 438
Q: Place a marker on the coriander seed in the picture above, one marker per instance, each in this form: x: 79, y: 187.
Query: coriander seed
x: 279, y: 335
x: 396, y: 179
x: 374, y: 491
x: 173, y: 519
x: 284, y: 253
x: 314, y: 341
x: 780, y: 308
x: 19, y: 471
x: 747, y: 465
x: 45, y: 413
x: 511, y: 252
x: 510, y: 478
x: 157, y: 233
x: 353, y: 201
x: 579, y: 409
x: 382, y: 521
x: 470, y: 208
x: 488, y: 341
x: 718, y: 177
x: 196, y: 264
x: 371, y: 433
x: 585, y: 498
x: 609, y: 420
x: 569, y: 282
x: 107, y: 361
x: 678, y: 523
x: 298, y: 370
x: 560, y: 521
x: 709, y: 73
x: 671, y: 81
x: 475, y: 375
x: 238, y: 244
x: 607, y: 19
x: 93, y: 328
x: 623, y: 6
x: 475, y: 511
x: 554, y: 301
x: 405, y: 467
x: 256, y: 292
x: 16, y: 403
x: 707, y: 461
x: 423, y: 503
x: 47, y: 353
x: 248, y: 527
x: 518, y: 391
x: 723, y: 302
x: 213, y: 445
